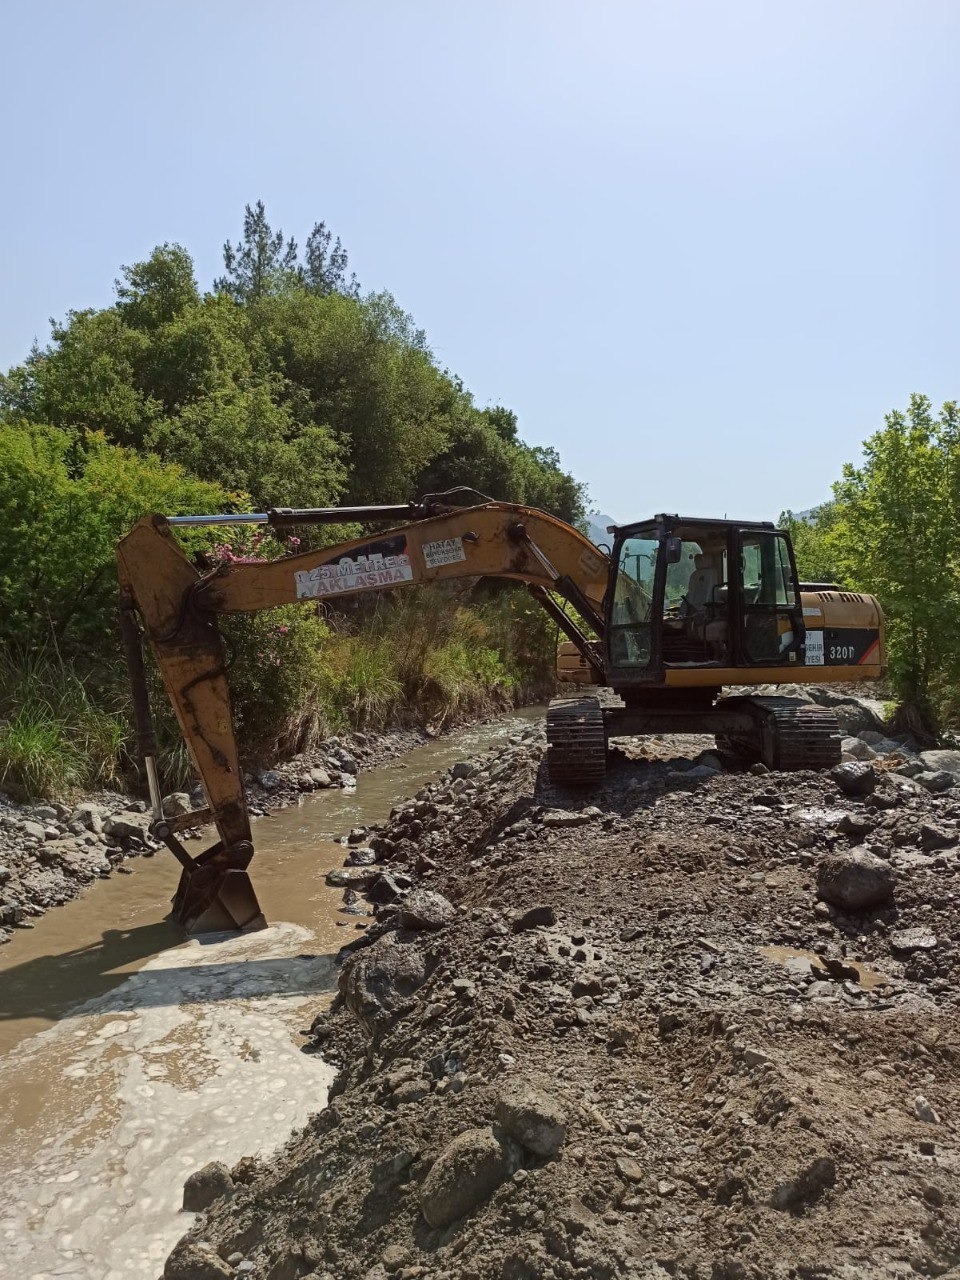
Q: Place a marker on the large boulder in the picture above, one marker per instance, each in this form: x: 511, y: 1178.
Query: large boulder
x: 853, y: 717
x: 855, y: 778
x: 130, y: 827
x: 191, y: 1260
x: 941, y: 761
x: 206, y: 1185
x: 424, y: 909
x: 378, y: 983
x: 936, y: 780
x: 854, y: 880
x: 467, y: 1172
x: 176, y: 804
x: 531, y: 1116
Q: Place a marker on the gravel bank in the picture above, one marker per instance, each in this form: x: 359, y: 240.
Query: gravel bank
x: 698, y: 1023
x: 49, y: 853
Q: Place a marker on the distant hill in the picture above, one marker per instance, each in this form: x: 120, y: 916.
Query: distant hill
x: 597, y: 527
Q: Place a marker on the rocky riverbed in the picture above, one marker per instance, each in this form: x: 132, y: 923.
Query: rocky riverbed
x: 50, y: 852
x: 697, y: 1023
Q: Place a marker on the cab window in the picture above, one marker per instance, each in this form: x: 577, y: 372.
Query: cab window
x: 769, y: 596
x: 633, y: 601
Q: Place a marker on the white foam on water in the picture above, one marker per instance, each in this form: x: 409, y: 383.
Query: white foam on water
x: 196, y: 1057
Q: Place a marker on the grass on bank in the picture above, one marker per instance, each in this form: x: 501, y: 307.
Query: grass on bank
x: 58, y: 733
x: 423, y: 656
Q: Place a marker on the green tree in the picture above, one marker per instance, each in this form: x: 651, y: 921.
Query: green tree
x: 152, y: 293
x: 260, y: 263
x: 812, y: 543
x: 896, y: 534
x: 65, y: 500
x: 325, y: 264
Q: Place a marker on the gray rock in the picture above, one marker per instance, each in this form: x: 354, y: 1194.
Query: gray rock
x: 909, y: 940
x: 855, y: 778
x: 384, y: 889
x: 855, y: 824
x: 854, y: 717
x: 923, y: 1110
x: 125, y: 828
x: 933, y: 838
x: 378, y: 983
x: 320, y: 777
x: 269, y: 779
x: 347, y: 763
x: 361, y: 857
x: 347, y: 877
x: 936, y: 781
x: 854, y: 880
x: 34, y: 830
x: 423, y: 909
x: 569, y: 818
x: 176, y: 804
x: 193, y: 1261
x: 463, y: 769
x: 699, y: 773
x: 909, y: 768
x: 531, y: 1116
x: 535, y: 918
x: 467, y: 1172
x: 45, y: 813
x: 630, y: 1169
x: 206, y: 1185
x: 806, y: 1187
x: 941, y: 761
x: 5, y: 874
x: 857, y: 749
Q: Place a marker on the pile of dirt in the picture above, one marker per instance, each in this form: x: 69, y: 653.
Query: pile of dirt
x: 698, y: 1023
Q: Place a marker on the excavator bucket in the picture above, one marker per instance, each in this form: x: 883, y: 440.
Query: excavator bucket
x: 212, y: 898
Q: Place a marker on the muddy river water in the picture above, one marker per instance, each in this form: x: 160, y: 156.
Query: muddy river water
x: 128, y: 1057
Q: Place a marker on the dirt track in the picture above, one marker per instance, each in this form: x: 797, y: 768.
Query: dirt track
x: 640, y: 1090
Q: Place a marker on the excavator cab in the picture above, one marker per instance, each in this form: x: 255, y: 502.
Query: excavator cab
x: 690, y: 595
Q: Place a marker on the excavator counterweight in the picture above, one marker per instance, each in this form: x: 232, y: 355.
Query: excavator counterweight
x: 677, y: 613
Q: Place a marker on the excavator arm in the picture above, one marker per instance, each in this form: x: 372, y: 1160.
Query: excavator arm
x: 178, y: 609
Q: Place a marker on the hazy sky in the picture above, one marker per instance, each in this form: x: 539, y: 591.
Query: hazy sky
x: 701, y: 246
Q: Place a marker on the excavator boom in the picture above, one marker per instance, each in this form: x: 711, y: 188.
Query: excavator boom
x: 178, y: 608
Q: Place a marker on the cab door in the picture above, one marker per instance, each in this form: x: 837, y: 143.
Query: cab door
x: 771, y: 616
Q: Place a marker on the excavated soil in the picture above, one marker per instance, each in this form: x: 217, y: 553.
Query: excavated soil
x: 721, y: 1076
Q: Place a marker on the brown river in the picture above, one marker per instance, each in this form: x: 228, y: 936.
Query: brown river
x: 128, y: 1057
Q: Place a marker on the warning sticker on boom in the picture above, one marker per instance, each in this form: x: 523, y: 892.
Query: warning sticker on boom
x: 814, y: 656
x: 362, y: 573
x: 447, y: 551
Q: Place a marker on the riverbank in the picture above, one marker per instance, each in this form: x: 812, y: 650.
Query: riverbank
x: 699, y: 1023
x: 51, y: 852
x: 129, y: 1056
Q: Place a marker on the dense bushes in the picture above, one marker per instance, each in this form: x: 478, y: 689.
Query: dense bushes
x: 283, y: 386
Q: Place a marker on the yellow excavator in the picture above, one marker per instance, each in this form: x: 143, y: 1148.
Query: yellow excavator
x: 669, y: 616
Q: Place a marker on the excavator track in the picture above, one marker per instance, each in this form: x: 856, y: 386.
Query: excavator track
x: 577, y: 739
x: 789, y: 735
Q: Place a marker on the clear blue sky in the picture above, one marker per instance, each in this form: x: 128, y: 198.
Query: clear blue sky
x: 701, y: 246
